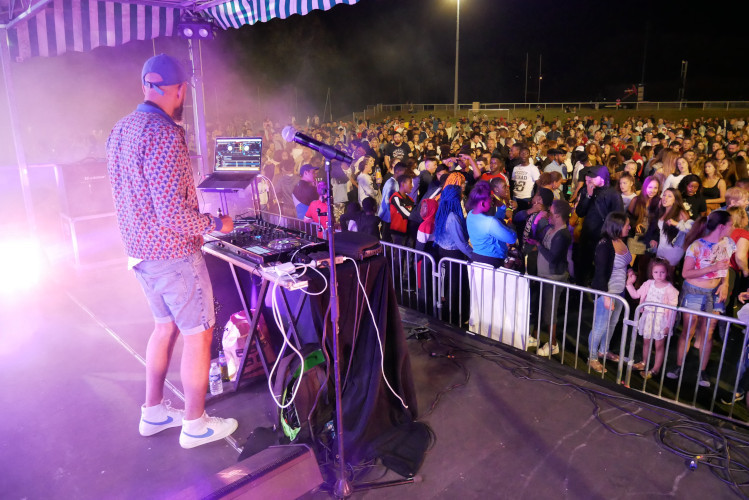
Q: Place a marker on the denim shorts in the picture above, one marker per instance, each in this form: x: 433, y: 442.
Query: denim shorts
x: 700, y: 299
x: 179, y: 290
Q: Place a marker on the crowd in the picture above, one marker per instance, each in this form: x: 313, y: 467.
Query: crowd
x: 659, y: 207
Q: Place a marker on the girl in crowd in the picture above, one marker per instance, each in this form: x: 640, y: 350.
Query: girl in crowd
x: 713, y: 187
x: 631, y: 167
x: 655, y: 322
x: 691, y: 195
x: 612, y: 258
x: 626, y: 188
x: 641, y: 210
x: 667, y: 232
x: 451, y: 239
x: 489, y: 236
x: 705, y: 286
x: 682, y: 170
x: 552, y: 264
x: 366, y: 185
x: 594, y: 154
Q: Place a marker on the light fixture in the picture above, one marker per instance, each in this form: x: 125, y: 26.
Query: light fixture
x: 196, y: 27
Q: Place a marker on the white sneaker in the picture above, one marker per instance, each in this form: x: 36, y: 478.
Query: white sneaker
x: 205, y: 430
x: 158, y: 418
x: 532, y: 341
x: 544, y: 350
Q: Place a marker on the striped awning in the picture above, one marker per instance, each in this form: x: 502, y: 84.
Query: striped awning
x: 237, y: 13
x: 82, y: 25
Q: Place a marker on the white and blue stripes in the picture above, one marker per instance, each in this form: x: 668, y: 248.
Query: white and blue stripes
x: 82, y: 25
x: 237, y: 13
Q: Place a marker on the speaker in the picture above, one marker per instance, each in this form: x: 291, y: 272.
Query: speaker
x: 277, y: 472
x: 84, y: 189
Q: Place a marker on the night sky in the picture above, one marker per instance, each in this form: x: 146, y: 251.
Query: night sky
x: 387, y: 51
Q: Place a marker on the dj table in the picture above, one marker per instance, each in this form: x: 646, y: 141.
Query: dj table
x: 369, y: 408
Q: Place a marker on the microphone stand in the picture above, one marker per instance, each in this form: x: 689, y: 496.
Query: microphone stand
x: 342, y: 487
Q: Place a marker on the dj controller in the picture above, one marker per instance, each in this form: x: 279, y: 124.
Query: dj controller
x: 262, y: 243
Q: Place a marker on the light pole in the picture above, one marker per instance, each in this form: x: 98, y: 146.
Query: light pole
x: 457, y: 51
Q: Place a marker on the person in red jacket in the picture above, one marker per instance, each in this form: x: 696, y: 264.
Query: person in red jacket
x: 401, y: 205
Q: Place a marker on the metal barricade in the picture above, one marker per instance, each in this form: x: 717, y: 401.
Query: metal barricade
x: 684, y: 389
x: 494, y: 310
x: 575, y: 322
x: 413, y: 276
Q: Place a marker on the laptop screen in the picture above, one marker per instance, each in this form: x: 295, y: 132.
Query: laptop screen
x: 238, y: 154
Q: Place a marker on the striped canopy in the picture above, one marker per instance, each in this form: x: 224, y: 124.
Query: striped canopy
x: 59, y: 26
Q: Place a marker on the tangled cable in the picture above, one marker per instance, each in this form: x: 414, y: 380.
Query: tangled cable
x: 724, y: 451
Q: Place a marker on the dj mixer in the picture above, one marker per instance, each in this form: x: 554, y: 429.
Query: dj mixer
x: 262, y: 243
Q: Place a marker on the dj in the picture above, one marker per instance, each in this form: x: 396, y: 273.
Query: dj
x: 162, y: 228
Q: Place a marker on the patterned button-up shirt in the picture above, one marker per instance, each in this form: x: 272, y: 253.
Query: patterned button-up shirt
x: 153, y: 187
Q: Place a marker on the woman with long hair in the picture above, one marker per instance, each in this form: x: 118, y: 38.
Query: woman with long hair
x: 713, y: 186
x: 668, y: 230
x: 641, y: 211
x: 451, y: 240
x: 682, y: 170
x: 705, y: 273
x: 364, y: 181
x: 594, y: 153
x: 691, y: 195
x: 612, y: 258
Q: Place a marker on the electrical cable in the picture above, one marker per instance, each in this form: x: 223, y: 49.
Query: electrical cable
x: 278, y: 202
x: 379, y: 340
x: 725, y: 452
x: 279, y: 323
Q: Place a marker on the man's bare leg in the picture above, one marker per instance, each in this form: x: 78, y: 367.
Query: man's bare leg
x: 158, y: 356
x: 196, y: 361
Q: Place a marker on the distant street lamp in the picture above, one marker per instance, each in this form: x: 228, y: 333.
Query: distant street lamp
x: 457, y: 51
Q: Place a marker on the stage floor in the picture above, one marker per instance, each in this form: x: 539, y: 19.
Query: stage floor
x: 516, y: 426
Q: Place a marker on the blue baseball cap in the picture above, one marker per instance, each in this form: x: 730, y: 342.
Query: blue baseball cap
x: 167, y: 67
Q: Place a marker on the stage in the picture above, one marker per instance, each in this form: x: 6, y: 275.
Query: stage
x: 71, y: 359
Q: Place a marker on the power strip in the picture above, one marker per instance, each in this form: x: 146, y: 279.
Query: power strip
x: 281, y: 269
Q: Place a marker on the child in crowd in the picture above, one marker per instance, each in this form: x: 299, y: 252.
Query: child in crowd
x: 655, y: 322
x: 367, y: 221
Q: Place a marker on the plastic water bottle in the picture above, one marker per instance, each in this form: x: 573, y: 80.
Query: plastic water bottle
x: 214, y: 380
x: 224, y: 367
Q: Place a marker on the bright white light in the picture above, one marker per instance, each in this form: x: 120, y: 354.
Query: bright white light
x: 21, y: 265
x: 187, y: 32
x: 203, y: 33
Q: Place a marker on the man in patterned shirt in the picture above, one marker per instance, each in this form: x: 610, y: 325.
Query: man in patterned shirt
x: 162, y: 228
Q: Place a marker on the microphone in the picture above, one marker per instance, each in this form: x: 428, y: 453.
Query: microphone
x: 290, y: 134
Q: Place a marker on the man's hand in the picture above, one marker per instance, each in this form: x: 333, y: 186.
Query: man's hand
x: 227, y: 224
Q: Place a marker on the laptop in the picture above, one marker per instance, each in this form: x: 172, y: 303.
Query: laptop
x: 237, y: 162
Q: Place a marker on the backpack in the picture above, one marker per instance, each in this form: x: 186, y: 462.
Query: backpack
x: 307, y: 415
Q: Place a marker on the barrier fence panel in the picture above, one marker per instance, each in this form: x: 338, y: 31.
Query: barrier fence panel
x: 575, y: 326
x: 687, y: 386
x: 501, y: 304
x: 413, y: 276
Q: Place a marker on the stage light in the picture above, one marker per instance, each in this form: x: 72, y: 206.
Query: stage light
x: 196, y: 27
x: 21, y: 266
